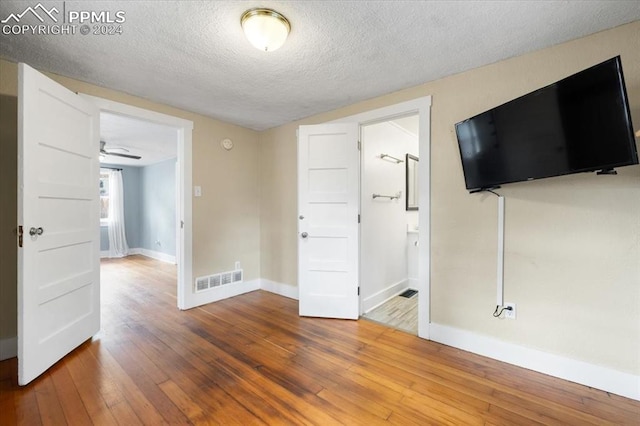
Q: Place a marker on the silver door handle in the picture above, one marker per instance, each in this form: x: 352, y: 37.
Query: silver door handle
x: 36, y: 231
x: 304, y: 235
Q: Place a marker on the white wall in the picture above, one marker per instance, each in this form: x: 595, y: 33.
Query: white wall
x: 383, y: 231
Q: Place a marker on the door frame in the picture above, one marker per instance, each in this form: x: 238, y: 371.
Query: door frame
x: 421, y: 107
x: 184, y: 246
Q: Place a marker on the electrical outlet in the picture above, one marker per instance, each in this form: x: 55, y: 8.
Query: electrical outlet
x: 510, y: 314
x: 237, y: 264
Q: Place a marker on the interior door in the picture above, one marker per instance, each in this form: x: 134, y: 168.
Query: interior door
x: 59, y: 261
x: 328, y: 207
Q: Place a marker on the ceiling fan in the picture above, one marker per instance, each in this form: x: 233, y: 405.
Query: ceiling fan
x: 103, y: 151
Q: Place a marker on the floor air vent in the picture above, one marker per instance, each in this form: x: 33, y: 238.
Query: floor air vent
x: 211, y: 281
x: 214, y: 280
x: 202, y: 283
x: 409, y: 293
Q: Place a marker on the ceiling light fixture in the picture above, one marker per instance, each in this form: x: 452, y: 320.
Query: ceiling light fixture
x: 265, y: 29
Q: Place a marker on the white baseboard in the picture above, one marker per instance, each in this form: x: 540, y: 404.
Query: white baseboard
x: 155, y: 255
x: 8, y: 348
x: 382, y: 296
x: 285, y: 290
x: 148, y: 253
x: 104, y: 254
x: 607, y: 379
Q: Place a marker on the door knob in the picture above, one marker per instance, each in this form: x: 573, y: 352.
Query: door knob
x: 304, y: 235
x: 36, y: 231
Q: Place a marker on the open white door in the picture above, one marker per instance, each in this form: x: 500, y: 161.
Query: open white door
x: 59, y: 262
x: 328, y: 194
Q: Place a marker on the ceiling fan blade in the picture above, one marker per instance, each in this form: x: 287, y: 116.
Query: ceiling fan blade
x: 135, y: 157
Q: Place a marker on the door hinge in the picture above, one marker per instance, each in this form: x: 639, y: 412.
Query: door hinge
x: 358, y: 218
x: 358, y: 290
x: 359, y: 146
x: 20, y: 232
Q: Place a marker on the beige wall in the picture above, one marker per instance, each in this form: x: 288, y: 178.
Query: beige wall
x: 226, y: 224
x: 572, y: 260
x: 8, y: 210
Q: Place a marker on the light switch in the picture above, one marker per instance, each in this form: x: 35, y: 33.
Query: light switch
x: 197, y: 191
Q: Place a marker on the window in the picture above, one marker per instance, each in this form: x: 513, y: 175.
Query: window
x: 104, y: 198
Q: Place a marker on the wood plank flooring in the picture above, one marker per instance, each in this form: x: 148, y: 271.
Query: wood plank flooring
x: 251, y: 360
x: 398, y: 312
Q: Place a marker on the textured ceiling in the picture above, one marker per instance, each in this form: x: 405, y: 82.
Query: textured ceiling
x: 193, y: 54
x: 125, y: 135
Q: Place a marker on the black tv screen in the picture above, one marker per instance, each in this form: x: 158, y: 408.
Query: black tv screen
x: 579, y: 124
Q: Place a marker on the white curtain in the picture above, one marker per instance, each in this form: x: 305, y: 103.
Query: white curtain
x: 117, y: 240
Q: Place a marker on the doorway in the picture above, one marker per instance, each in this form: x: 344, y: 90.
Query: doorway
x: 182, y: 173
x: 330, y: 178
x: 421, y: 107
x: 389, y: 226
x: 144, y: 154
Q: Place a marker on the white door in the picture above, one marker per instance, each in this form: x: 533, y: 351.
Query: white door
x: 328, y: 194
x: 58, y: 264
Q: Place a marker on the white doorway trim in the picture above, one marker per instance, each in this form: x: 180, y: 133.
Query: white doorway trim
x: 422, y: 107
x: 183, y: 186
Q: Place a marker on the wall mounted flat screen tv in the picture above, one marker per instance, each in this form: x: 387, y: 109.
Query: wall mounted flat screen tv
x: 579, y: 124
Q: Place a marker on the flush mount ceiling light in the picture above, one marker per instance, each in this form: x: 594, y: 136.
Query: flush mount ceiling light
x: 265, y: 29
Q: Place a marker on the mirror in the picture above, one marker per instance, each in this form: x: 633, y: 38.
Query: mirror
x: 412, y: 181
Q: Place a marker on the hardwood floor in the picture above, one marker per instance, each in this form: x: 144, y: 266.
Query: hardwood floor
x: 251, y: 360
x: 398, y: 312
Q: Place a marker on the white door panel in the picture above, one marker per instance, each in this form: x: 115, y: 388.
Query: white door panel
x: 58, y: 271
x: 328, y: 191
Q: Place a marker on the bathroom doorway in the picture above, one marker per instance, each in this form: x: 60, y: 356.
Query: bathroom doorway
x: 389, y: 227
